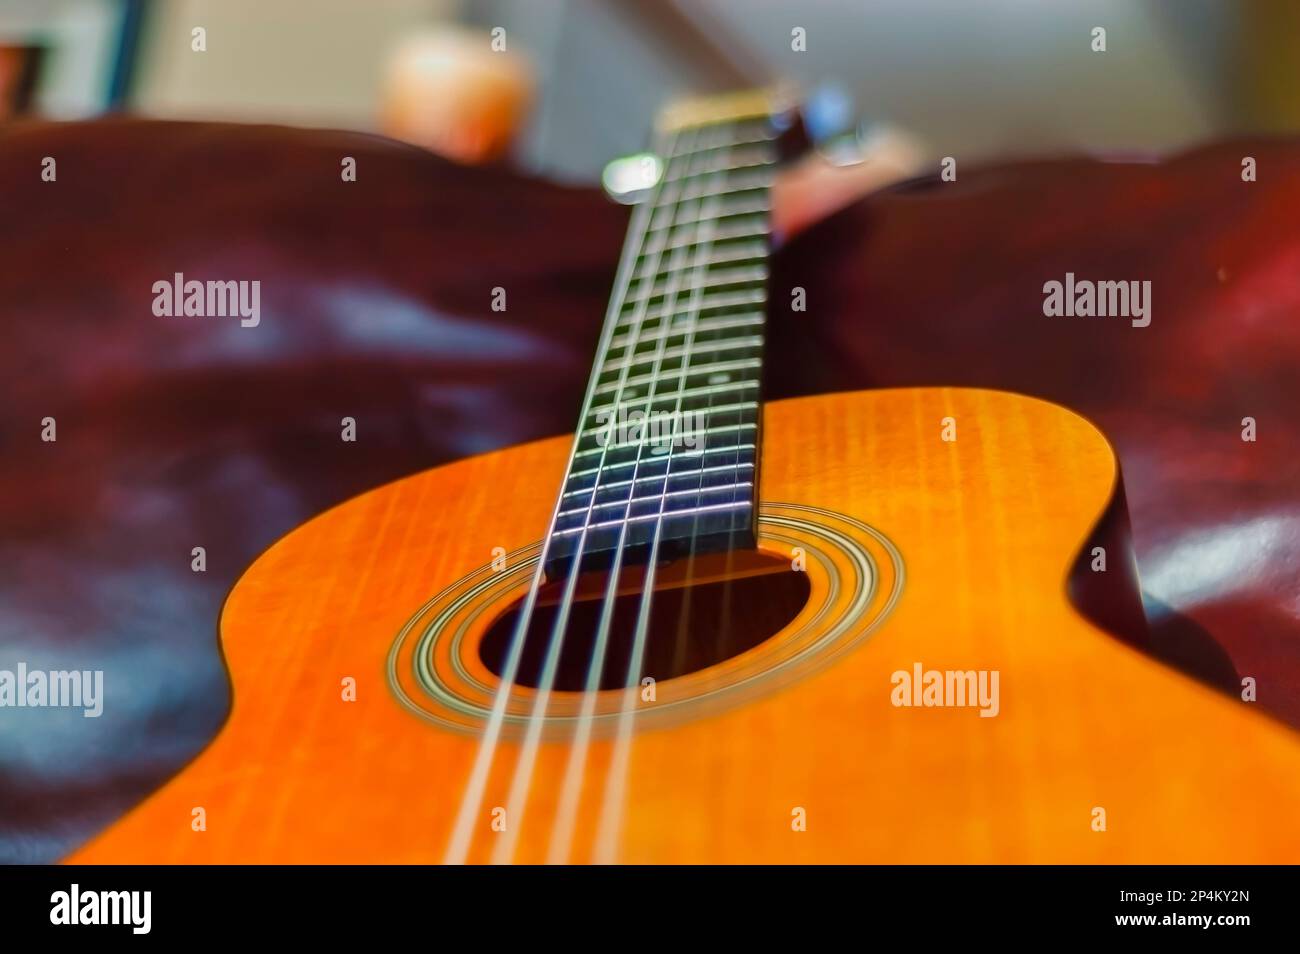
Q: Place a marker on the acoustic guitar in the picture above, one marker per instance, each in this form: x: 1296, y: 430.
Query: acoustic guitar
x: 883, y: 626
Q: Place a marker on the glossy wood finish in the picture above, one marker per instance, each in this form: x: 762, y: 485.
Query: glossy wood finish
x: 988, y: 526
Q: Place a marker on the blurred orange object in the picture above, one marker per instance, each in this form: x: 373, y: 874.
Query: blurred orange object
x: 451, y: 92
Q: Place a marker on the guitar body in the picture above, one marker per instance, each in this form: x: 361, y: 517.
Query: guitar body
x: 919, y: 551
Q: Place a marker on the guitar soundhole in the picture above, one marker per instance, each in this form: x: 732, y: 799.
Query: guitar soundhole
x: 702, y: 613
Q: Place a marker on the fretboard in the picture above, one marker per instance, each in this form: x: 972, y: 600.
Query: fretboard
x: 668, y: 443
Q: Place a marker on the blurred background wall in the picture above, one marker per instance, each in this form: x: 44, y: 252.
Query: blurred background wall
x: 975, y: 79
x: 310, y: 62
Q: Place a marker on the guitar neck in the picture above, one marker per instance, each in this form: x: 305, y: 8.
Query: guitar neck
x: 667, y: 448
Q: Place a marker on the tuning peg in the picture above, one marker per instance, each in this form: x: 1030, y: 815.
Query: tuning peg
x: 829, y: 117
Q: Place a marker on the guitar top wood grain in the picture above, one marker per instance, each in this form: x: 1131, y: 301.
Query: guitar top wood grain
x: 987, y: 525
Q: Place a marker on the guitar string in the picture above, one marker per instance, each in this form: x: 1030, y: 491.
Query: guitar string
x: 521, y: 782
x: 679, y: 644
x: 575, y: 771
x: 609, y: 826
x: 725, y: 616
x: 472, y: 798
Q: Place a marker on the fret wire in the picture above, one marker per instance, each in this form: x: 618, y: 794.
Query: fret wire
x: 670, y: 325
x: 632, y: 255
x: 702, y: 224
x: 715, y: 324
x: 735, y: 231
x: 717, y: 469
x: 684, y: 490
x: 720, y: 409
x: 706, y: 432
x: 623, y: 374
x: 654, y: 384
x: 629, y: 463
x: 756, y: 152
x: 698, y: 296
x: 647, y: 508
x: 644, y: 487
x: 701, y: 363
x: 761, y: 207
x: 720, y: 369
x: 729, y: 268
x: 736, y: 483
x: 710, y: 349
x: 748, y: 317
x: 719, y: 428
x: 655, y: 496
x: 723, y: 329
x: 736, y: 275
x: 749, y: 206
x: 660, y: 314
x: 718, y: 420
x: 717, y: 301
x: 736, y: 252
x: 735, y: 299
x: 611, y: 465
x: 748, y: 282
x: 664, y: 478
x: 684, y: 351
x: 729, y: 250
x: 726, y: 230
x: 742, y: 365
x: 616, y: 307
x: 757, y: 158
x: 702, y: 217
x: 676, y: 513
x: 692, y: 392
x: 758, y: 182
x: 764, y: 136
x: 724, y: 336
